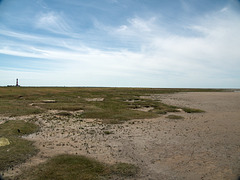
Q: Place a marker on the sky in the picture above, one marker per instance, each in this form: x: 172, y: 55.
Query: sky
x: 120, y: 43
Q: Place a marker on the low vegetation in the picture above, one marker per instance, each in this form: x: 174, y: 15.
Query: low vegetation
x: 18, y: 149
x: 108, y: 132
x: 125, y: 169
x: 116, y: 105
x: 174, y: 117
x: 64, y: 113
x: 191, y: 110
x: 78, y: 167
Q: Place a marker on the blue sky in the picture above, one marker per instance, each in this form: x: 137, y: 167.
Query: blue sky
x: 120, y: 43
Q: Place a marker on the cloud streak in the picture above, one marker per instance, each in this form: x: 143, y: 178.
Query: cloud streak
x: 52, y: 22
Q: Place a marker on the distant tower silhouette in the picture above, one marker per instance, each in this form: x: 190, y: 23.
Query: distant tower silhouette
x: 17, y: 83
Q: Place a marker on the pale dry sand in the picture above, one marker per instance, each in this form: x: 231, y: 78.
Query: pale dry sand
x: 200, y: 146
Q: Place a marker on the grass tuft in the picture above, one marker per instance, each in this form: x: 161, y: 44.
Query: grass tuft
x: 108, y: 132
x: 191, y: 110
x: 17, y: 128
x: 125, y: 169
x: 77, y: 167
x: 19, y: 149
x: 64, y: 114
x: 174, y: 117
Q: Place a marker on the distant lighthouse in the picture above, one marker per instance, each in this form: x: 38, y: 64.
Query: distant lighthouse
x: 17, y: 83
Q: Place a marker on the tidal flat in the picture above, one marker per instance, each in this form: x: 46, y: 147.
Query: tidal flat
x: 119, y: 133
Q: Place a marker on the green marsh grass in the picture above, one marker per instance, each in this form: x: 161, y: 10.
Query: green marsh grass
x: 174, y: 117
x: 64, y: 166
x: 192, y: 110
x: 116, y: 107
x: 19, y: 149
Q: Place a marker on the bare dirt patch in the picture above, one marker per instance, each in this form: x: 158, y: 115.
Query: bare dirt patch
x: 144, y: 109
x: 49, y: 101
x: 200, y: 146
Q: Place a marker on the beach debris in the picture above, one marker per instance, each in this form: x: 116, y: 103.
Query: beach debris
x: 4, y: 141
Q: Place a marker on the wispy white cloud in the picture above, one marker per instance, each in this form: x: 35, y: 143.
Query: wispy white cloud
x: 142, y: 25
x: 53, y: 22
x: 137, y: 27
x: 42, y: 4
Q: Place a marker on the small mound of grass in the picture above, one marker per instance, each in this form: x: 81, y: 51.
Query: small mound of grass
x: 107, y: 132
x: 16, y: 152
x: 64, y: 106
x: 18, y: 149
x: 77, y: 167
x: 125, y: 169
x: 64, y: 114
x: 17, y: 128
x: 17, y: 108
x: 174, y: 117
x: 191, y: 110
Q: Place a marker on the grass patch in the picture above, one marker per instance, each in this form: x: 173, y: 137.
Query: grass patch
x: 108, y: 132
x: 119, y: 104
x: 125, y: 169
x: 64, y: 114
x: 16, y: 153
x: 174, y: 117
x: 191, y: 110
x: 159, y: 108
x: 10, y: 107
x: 65, y: 106
x: 77, y: 167
x: 10, y: 128
x: 19, y: 149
